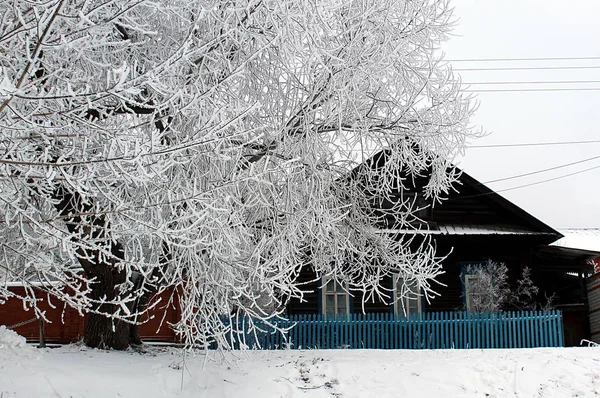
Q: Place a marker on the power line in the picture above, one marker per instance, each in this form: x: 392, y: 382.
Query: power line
x: 534, y: 144
x: 526, y: 185
x: 526, y: 68
x: 537, y: 171
x: 542, y: 170
x: 521, y: 144
x: 530, y: 90
x: 521, y: 59
x: 539, y: 82
x: 549, y: 179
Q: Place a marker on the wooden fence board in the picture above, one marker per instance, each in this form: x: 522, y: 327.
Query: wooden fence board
x: 460, y: 330
x: 441, y: 330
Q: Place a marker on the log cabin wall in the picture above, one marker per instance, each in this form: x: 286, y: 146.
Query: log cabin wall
x: 514, y: 251
x: 310, y: 302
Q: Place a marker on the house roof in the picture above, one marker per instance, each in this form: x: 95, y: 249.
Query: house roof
x: 586, y: 239
x: 565, y: 259
x: 475, y: 209
x: 573, y: 252
x: 534, y: 224
x: 455, y: 229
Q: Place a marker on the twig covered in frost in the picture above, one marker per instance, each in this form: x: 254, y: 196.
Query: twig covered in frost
x: 208, y: 147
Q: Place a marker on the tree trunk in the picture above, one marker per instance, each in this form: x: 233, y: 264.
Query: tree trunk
x: 102, y: 331
x: 106, y: 333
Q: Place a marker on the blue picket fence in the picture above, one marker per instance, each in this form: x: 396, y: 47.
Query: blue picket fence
x: 435, y: 330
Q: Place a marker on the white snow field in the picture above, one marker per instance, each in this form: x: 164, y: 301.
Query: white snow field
x: 75, y: 371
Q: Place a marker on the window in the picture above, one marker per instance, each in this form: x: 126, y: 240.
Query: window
x: 479, y: 293
x: 408, y: 296
x: 481, y: 284
x: 336, y: 299
x: 473, y: 293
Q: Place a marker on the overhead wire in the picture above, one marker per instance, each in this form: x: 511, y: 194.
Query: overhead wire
x: 520, y: 144
x: 542, y: 170
x: 528, y: 68
x: 513, y: 90
x: 140, y: 207
x: 533, y: 183
x: 545, y: 67
x: 530, y: 89
x: 521, y: 59
x: 525, y: 68
x: 525, y: 144
x: 547, y: 89
x: 538, y: 82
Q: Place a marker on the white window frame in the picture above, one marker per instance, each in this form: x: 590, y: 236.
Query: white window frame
x: 338, y: 295
x: 402, y: 304
x: 469, y: 294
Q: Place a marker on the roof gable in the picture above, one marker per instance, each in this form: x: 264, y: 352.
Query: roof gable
x: 474, y: 202
x: 471, y: 208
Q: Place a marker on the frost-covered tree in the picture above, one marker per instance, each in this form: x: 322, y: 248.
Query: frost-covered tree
x: 489, y: 289
x: 206, y: 146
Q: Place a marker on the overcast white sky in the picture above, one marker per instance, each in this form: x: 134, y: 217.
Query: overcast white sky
x: 534, y: 29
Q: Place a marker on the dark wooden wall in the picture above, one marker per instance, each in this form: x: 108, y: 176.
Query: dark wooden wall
x: 310, y: 302
x: 514, y: 251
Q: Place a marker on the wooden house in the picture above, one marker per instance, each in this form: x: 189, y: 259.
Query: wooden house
x: 579, y: 245
x: 471, y: 226
x: 593, y: 294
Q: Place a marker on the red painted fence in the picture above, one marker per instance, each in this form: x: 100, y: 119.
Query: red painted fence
x: 66, y: 325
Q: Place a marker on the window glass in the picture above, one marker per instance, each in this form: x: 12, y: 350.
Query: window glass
x: 330, y: 287
x: 413, y: 305
x: 476, y: 297
x: 330, y: 304
x: 399, y: 285
x: 341, y: 304
x: 336, y: 299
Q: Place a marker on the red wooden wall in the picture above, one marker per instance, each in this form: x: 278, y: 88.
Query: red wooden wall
x: 593, y: 292
x: 596, y: 262
x: 66, y: 325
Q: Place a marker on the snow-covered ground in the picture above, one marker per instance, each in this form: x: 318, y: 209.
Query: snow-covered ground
x: 76, y: 371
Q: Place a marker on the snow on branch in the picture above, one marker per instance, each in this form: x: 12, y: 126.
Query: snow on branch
x: 212, y: 147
